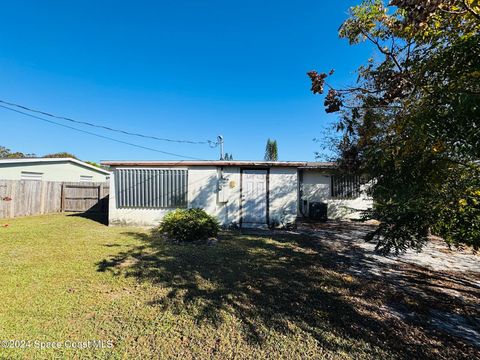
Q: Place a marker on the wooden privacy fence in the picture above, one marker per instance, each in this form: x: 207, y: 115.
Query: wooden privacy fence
x: 30, y: 197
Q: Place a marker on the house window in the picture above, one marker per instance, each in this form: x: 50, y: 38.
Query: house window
x: 86, y: 178
x: 29, y: 175
x: 345, y: 186
x: 151, y: 188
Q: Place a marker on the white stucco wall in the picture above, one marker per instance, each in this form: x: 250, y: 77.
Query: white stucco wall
x: 283, y: 195
x: 52, y: 171
x: 229, y: 213
x: 316, y: 187
x: 202, y: 193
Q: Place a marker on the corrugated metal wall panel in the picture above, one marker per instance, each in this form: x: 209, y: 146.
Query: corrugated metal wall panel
x: 151, y: 188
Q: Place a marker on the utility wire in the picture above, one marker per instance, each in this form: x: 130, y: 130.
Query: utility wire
x: 209, y: 142
x: 98, y: 135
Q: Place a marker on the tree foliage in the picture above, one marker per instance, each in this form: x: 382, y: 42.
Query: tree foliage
x: 93, y: 163
x: 227, y: 156
x: 60, y: 155
x: 412, y: 119
x: 6, y: 153
x: 271, y: 150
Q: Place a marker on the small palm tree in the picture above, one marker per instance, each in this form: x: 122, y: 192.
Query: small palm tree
x: 271, y: 150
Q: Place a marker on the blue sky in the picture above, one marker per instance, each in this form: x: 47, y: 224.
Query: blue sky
x: 177, y: 69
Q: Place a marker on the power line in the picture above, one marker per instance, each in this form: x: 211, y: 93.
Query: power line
x: 98, y: 135
x: 209, y: 142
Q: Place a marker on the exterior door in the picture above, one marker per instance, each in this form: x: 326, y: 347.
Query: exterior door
x: 254, y: 198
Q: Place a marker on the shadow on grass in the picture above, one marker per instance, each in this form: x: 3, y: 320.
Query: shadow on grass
x: 278, y: 282
x: 99, y: 217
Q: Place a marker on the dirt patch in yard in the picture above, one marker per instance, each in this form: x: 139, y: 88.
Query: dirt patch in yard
x: 438, y: 288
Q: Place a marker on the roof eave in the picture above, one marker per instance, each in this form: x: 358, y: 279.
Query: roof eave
x: 50, y: 160
x: 296, y: 164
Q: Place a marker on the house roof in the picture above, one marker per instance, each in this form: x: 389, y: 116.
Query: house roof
x: 237, y: 163
x: 53, y: 160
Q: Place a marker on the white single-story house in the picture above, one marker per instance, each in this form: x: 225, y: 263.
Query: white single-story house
x: 51, y: 169
x: 238, y: 193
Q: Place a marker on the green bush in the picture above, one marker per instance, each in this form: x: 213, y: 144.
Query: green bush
x: 188, y: 225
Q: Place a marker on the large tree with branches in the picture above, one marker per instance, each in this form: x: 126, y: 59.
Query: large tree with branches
x: 412, y: 120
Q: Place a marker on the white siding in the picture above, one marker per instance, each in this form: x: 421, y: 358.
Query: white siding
x: 61, y: 171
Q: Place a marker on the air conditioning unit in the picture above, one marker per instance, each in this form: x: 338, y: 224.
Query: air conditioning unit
x: 318, y: 211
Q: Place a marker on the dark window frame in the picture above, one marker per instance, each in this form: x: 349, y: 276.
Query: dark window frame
x: 345, y: 186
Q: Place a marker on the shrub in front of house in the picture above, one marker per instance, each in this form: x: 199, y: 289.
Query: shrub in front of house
x: 188, y: 225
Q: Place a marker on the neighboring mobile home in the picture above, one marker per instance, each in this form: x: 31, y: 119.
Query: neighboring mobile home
x: 238, y: 193
x: 51, y: 169
x: 48, y: 185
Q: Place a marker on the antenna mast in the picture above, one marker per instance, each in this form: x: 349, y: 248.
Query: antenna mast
x: 220, y: 142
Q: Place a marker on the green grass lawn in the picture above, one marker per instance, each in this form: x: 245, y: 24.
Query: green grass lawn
x: 70, y: 278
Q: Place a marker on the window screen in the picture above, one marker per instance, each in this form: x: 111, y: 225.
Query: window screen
x: 29, y: 175
x: 151, y: 188
x: 345, y: 186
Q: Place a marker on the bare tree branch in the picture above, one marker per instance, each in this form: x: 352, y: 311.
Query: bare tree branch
x: 471, y: 10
